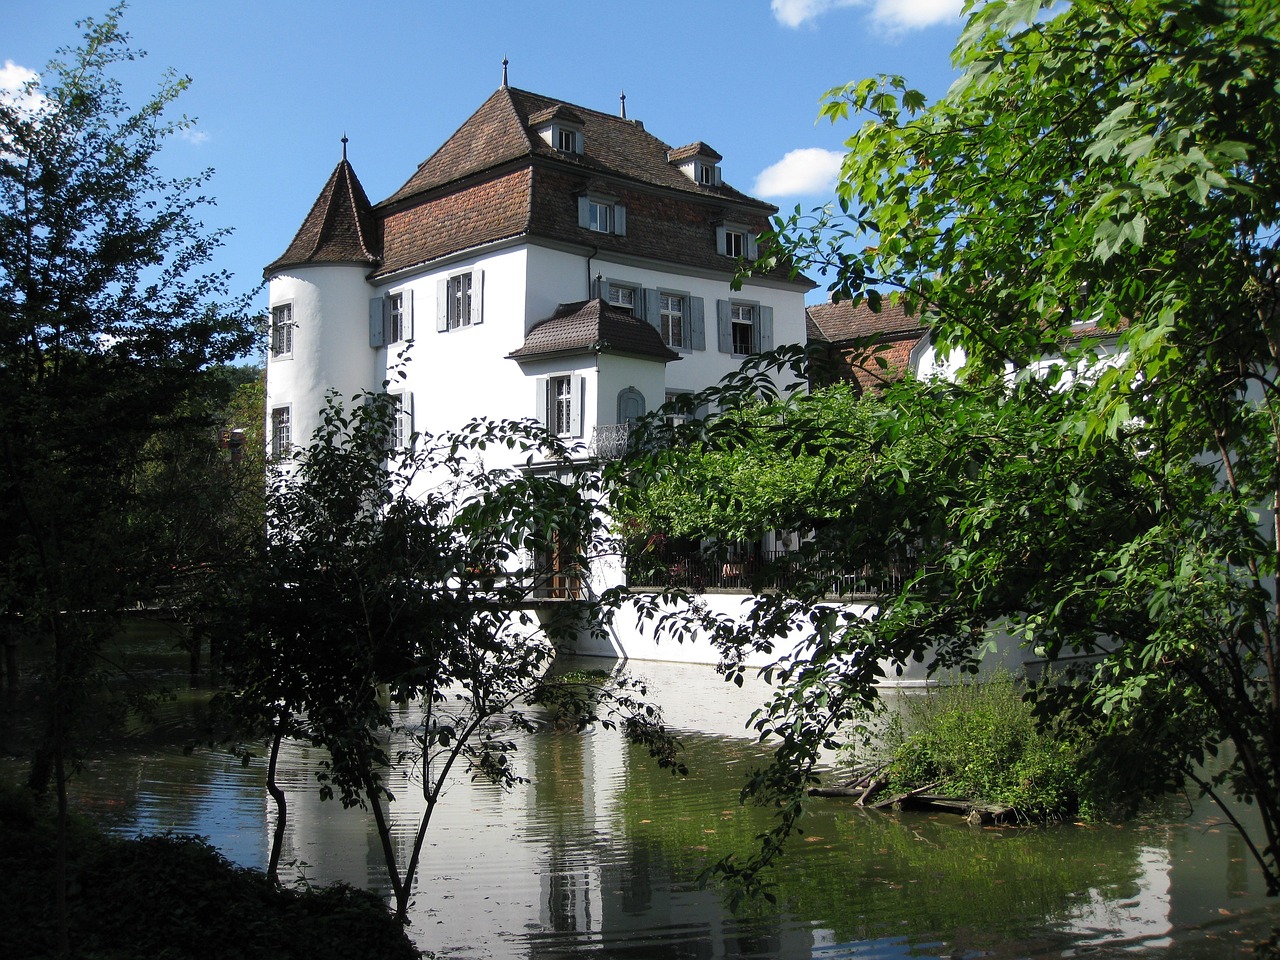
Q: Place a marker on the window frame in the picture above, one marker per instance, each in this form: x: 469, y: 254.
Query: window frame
x: 742, y: 316
x: 599, y: 216
x: 736, y: 241
x: 761, y: 326
x: 551, y: 404
x: 281, y: 430
x: 395, y: 317
x: 282, y: 333
x: 459, y: 289
x: 616, y: 215
x: 637, y: 297
x: 388, y: 325
x: 450, y: 296
x: 560, y: 399
x: 402, y: 421
x: 664, y: 319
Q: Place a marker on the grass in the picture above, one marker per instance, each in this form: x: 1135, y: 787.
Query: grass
x: 981, y: 740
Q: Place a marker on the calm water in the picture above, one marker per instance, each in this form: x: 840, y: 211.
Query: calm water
x: 596, y: 855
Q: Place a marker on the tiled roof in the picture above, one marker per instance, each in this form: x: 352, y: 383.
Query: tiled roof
x: 481, y: 212
x: 496, y: 180
x: 500, y: 132
x: 589, y: 326
x: 836, y: 322
x: 860, y: 345
x: 341, y: 227
x: 560, y: 111
x: 695, y: 149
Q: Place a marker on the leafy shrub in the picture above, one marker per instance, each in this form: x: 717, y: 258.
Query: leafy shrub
x: 174, y: 898
x: 980, y: 740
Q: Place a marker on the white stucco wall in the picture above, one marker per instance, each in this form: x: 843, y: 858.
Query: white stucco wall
x: 330, y: 341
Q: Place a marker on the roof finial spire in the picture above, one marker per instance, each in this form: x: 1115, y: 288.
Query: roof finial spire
x: 344, y: 145
x: 623, y: 99
x: 504, y: 71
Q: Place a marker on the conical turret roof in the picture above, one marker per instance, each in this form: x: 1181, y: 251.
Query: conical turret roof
x: 341, y: 227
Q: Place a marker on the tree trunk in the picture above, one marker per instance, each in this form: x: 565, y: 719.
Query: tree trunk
x: 273, y: 788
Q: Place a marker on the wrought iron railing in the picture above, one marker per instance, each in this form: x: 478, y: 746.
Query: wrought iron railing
x: 609, y: 440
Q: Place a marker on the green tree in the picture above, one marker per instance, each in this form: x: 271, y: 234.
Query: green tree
x: 395, y: 595
x: 109, y: 311
x: 1099, y: 171
x: 199, y: 507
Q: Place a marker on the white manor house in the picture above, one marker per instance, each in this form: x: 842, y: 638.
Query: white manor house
x: 547, y: 261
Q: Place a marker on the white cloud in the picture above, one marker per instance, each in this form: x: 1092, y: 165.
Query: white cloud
x: 28, y: 104
x: 894, y: 15
x: 13, y: 81
x: 192, y: 135
x: 13, y: 76
x: 800, y: 173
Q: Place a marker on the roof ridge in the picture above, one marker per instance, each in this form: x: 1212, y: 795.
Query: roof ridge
x: 632, y: 121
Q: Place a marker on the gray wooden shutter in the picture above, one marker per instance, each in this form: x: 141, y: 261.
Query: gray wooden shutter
x: 477, y: 296
x: 697, y: 324
x: 541, y: 404
x: 652, y: 302
x: 724, y: 329
x: 442, y: 305
x: 764, y: 330
x: 377, y: 323
x: 576, y: 404
x: 406, y: 313
x: 584, y: 212
x: 720, y: 240
x: 752, y: 250
x: 620, y: 219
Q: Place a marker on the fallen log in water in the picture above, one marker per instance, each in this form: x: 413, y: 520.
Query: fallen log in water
x: 921, y: 800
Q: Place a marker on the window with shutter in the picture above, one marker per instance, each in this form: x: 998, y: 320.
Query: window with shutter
x: 560, y: 404
x: 736, y: 241
x: 460, y: 300
x: 402, y: 421
x: 742, y: 327
x: 602, y: 215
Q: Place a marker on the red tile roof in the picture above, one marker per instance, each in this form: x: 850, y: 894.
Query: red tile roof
x: 695, y: 149
x: 589, y: 326
x: 835, y: 322
x: 495, y: 179
x: 856, y: 340
x: 479, y: 212
x: 341, y: 227
x: 500, y: 131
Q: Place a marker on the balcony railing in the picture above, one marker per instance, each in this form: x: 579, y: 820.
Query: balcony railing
x: 609, y: 440
x: 701, y: 571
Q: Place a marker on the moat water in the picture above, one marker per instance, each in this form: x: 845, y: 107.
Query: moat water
x: 597, y: 853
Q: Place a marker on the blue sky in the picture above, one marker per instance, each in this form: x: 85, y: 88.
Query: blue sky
x: 276, y: 83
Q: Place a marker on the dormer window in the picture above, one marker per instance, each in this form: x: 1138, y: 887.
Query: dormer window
x: 698, y: 162
x: 736, y: 241
x: 559, y: 127
x: 602, y: 214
